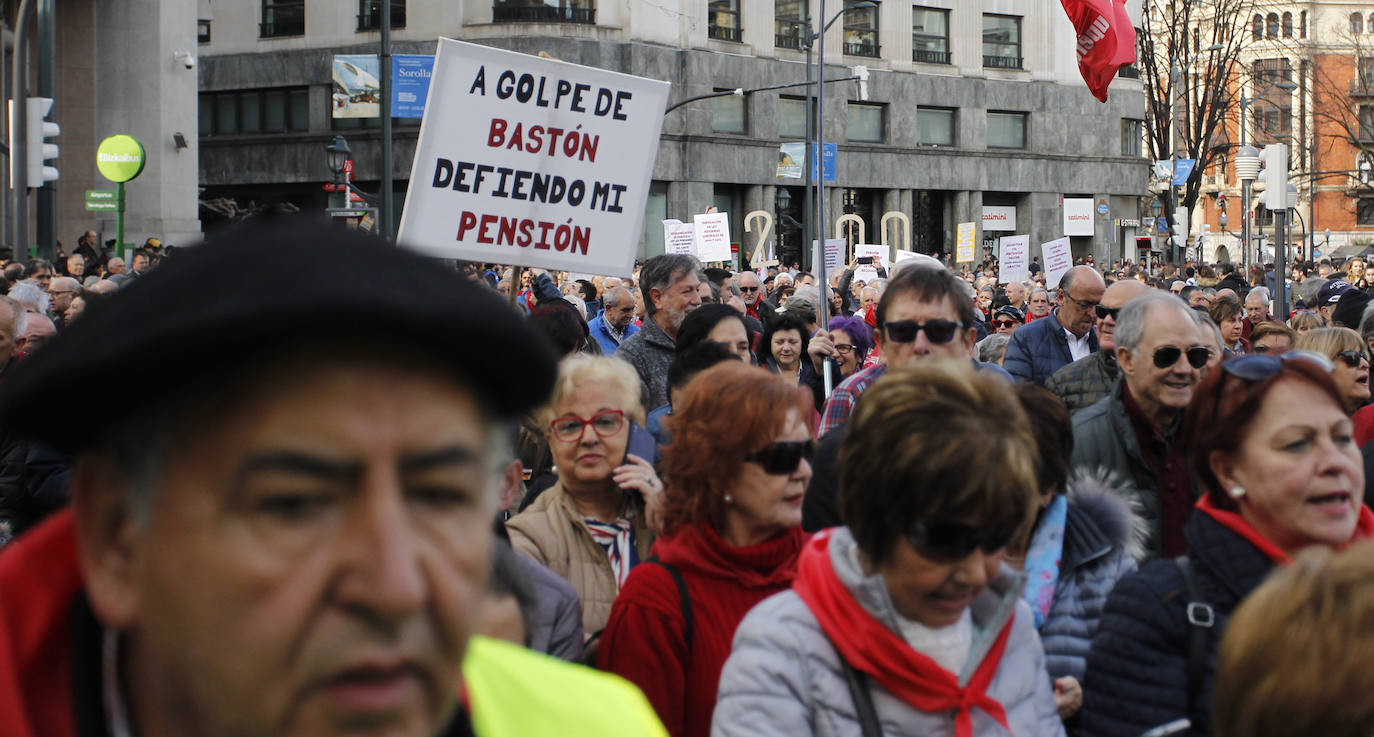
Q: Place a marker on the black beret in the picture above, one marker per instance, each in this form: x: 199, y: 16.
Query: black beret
x: 1350, y: 309
x: 267, y: 287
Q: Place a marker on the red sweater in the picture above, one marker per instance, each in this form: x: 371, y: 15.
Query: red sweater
x: 644, y: 637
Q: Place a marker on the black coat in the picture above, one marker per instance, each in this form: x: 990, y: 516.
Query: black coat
x: 1137, y: 676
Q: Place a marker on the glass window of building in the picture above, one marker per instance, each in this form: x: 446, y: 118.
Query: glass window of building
x: 930, y: 35
x: 1006, y: 129
x: 724, y: 17
x: 935, y: 126
x: 553, y: 11
x: 728, y: 113
x: 860, y: 29
x: 370, y: 14
x: 865, y: 122
x: 1132, y: 137
x: 282, y: 18
x: 788, y: 27
x: 1001, y: 41
x: 791, y: 117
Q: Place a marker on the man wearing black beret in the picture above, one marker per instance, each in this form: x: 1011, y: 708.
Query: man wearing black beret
x: 291, y: 536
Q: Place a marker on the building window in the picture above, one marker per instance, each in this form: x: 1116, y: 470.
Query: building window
x: 251, y: 112
x: 282, y: 18
x: 1287, y: 25
x: 791, y: 117
x: 1257, y: 27
x: 1132, y: 137
x: 724, y: 21
x: 203, y: 31
x: 860, y: 29
x: 1271, y: 25
x: 1366, y: 117
x: 935, y: 126
x: 788, y: 27
x: 1364, y: 212
x: 1356, y: 23
x: 352, y: 124
x: 526, y: 11
x: 728, y: 113
x: 930, y: 35
x: 1370, y: 25
x: 1002, y: 41
x: 1006, y: 129
x: 370, y: 14
x: 865, y: 122
x: 1302, y: 25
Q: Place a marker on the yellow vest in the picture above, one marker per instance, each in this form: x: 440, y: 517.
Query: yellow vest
x: 514, y: 692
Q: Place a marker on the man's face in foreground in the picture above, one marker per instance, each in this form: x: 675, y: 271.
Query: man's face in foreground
x: 312, y: 561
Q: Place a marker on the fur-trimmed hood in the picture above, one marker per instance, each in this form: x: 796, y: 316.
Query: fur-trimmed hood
x: 1097, y: 493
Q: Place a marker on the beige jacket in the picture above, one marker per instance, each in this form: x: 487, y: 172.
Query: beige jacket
x: 552, y: 533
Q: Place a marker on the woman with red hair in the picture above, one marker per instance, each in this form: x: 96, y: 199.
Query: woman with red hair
x: 734, y: 478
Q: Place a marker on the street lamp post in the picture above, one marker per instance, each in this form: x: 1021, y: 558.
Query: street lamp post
x: 1248, y: 165
x: 338, y: 154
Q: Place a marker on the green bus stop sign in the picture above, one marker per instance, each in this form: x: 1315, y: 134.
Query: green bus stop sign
x: 120, y: 158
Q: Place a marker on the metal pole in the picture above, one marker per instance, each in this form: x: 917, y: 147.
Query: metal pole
x: 46, y: 195
x: 119, y: 223
x: 807, y: 162
x: 384, y: 224
x: 1245, y: 224
x: 1281, y: 260
x: 1174, y: 77
x: 824, y: 306
x: 19, y: 160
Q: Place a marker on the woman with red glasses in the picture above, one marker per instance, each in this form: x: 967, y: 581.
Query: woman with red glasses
x: 905, y: 622
x: 736, y: 472
x: 1272, y: 452
x: 590, y: 526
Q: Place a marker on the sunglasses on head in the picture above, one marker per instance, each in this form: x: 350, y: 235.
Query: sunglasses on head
x: 1260, y: 366
x: 1352, y: 358
x: 950, y: 542
x: 905, y: 331
x: 781, y: 459
x: 1168, y: 355
x: 1105, y: 312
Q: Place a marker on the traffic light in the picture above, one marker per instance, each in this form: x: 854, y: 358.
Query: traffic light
x: 1181, y: 226
x: 1221, y: 202
x: 1274, y: 174
x: 40, y: 151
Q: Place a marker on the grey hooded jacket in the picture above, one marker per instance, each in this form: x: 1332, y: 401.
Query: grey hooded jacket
x: 784, y: 678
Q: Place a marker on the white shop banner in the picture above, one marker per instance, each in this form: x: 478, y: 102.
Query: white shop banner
x: 713, y: 236
x: 1058, y: 260
x: 999, y: 218
x: 1015, y: 260
x: 532, y: 161
x: 1078, y: 216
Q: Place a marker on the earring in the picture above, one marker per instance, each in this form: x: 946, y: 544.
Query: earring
x: 1237, y: 491
x: 729, y: 499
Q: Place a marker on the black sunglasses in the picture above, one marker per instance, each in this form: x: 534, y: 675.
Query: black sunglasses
x: 950, y: 542
x: 1260, y: 366
x: 905, y: 331
x: 1004, y: 323
x: 781, y: 459
x: 748, y: 289
x: 1105, y: 312
x: 1166, y: 356
x: 1352, y: 358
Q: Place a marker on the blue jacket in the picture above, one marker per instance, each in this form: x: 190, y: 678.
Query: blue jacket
x: 1039, y: 349
x: 1137, y: 675
x: 597, y: 327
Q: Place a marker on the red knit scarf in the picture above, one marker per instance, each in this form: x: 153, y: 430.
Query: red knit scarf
x: 867, y: 645
x: 1364, y: 528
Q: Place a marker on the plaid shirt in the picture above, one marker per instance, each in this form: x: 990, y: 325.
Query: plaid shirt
x: 842, y: 400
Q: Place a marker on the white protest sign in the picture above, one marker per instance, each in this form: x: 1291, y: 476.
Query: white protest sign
x: 1015, y: 261
x: 865, y: 274
x: 904, y: 255
x: 712, y: 236
x: 963, y: 243
x: 679, y: 237
x: 1058, y: 259
x: 1078, y: 216
x: 834, y: 252
x: 532, y: 161
x: 879, y: 253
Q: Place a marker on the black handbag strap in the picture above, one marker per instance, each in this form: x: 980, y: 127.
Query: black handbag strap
x: 863, y: 699
x: 1201, y: 618
x: 684, y: 599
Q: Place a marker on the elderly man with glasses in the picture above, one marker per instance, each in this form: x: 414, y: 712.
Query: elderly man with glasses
x: 1066, y: 335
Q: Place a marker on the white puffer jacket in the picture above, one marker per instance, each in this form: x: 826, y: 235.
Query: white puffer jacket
x: 784, y: 678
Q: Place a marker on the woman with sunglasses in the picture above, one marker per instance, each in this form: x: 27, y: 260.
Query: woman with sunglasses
x: 904, y: 622
x: 846, y: 346
x: 1350, y: 357
x: 736, y: 472
x: 590, y: 527
x: 1273, y: 454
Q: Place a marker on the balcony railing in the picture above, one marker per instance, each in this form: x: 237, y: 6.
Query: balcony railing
x: 722, y: 33
x: 861, y: 49
x: 1002, y: 62
x: 930, y: 57
x: 541, y: 14
x: 282, y: 27
x: 1362, y: 88
x: 787, y: 33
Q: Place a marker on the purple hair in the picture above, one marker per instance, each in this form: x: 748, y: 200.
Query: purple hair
x: 858, y: 331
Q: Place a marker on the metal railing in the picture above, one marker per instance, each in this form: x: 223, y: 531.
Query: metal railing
x: 930, y: 57
x: 722, y: 33
x: 861, y: 49
x: 788, y: 33
x: 541, y: 14
x: 282, y: 27
x: 1002, y: 62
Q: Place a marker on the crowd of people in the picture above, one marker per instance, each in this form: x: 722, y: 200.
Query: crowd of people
x: 914, y: 500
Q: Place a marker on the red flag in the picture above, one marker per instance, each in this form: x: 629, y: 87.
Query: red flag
x: 1106, y: 40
